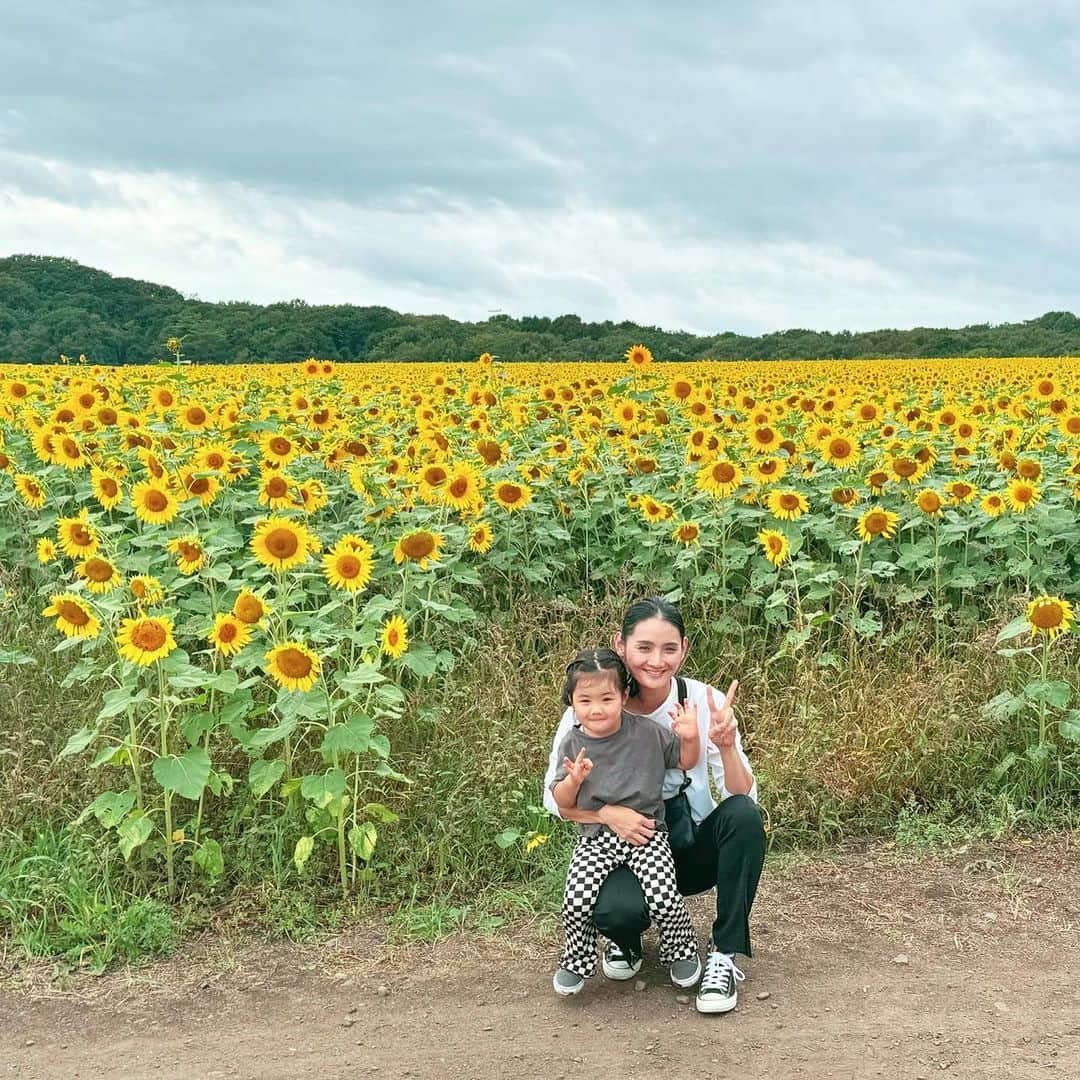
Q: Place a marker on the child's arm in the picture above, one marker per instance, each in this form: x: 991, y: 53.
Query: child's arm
x: 565, y: 792
x: 684, y: 722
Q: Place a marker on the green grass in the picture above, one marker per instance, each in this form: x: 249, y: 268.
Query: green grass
x: 893, y: 742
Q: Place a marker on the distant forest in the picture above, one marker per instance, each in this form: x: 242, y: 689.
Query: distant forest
x: 52, y: 306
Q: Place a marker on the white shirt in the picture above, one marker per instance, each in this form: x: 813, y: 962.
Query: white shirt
x: 701, y: 799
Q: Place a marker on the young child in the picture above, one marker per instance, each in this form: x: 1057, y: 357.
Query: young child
x: 612, y: 757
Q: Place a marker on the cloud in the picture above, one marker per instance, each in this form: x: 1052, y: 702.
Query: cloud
x: 746, y: 166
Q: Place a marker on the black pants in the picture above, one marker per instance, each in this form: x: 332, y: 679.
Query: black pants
x: 728, y: 853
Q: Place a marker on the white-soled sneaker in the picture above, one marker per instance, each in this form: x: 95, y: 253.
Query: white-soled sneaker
x: 567, y: 982
x: 685, y: 972
x: 717, y: 992
x: 618, y: 965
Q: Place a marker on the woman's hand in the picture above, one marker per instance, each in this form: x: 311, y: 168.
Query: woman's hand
x: 579, y: 768
x: 722, y: 726
x: 628, y: 824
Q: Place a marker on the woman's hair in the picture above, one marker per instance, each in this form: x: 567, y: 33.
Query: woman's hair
x: 592, y: 662
x: 654, y: 607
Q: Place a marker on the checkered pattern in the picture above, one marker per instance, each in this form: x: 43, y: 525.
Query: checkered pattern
x: 593, y: 859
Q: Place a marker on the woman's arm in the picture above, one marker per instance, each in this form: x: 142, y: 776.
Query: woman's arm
x: 723, y: 731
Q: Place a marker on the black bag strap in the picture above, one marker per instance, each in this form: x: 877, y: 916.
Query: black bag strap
x: 680, y: 697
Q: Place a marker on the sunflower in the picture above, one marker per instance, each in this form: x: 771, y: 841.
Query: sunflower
x: 512, y: 497
x: 960, y: 492
x: 840, y: 451
x: 639, y: 356
x: 769, y: 470
x: 311, y: 495
x: 99, y: 574
x: 763, y: 439
x: 491, y: 452
x: 69, y: 453
x: 774, y: 545
x: 293, y: 666
x: 282, y: 544
x: 420, y: 547
x: 203, y: 488
x: 189, y: 552
x: 877, y: 522
x: 929, y: 502
x: 145, y: 639
x: 153, y: 503
x: 720, y: 478
x: 348, y: 566
x: 228, y: 634
x: 1021, y: 495
x: 30, y: 491
x: 844, y: 496
x: 106, y: 488
x: 462, y: 488
x: 481, y: 537
x: 993, y: 504
x: 250, y: 608
x: 687, y: 533
x: 277, y: 448
x: 1049, y: 615
x: 46, y: 550
x: 1028, y: 469
x: 146, y: 589
x: 73, y: 617
x: 394, y: 639
x: 787, y: 505
x: 77, y: 536
x: 275, y: 491
x: 432, y: 480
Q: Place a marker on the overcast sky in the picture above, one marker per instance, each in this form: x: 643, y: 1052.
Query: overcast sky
x: 747, y: 165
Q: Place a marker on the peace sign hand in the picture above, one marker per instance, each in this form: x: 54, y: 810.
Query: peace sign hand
x: 579, y: 768
x: 722, y: 726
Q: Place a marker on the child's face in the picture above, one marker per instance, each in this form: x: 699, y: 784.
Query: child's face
x: 598, y: 704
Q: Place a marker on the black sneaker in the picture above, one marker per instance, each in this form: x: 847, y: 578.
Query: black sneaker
x: 618, y: 965
x: 717, y: 991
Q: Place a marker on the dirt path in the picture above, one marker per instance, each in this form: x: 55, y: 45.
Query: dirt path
x: 990, y: 988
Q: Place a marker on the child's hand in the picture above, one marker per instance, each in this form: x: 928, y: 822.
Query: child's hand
x: 579, y: 768
x: 684, y: 720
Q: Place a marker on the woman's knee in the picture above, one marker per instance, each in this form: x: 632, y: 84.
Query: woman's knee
x: 739, y: 815
x: 620, y: 907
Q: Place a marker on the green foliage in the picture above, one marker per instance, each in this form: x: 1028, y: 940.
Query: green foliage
x: 52, y: 306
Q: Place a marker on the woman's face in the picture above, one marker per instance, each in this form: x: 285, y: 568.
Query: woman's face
x: 653, y: 652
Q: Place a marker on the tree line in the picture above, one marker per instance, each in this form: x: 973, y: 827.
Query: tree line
x: 51, y: 307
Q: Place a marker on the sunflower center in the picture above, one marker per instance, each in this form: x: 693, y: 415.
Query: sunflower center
x: 248, y: 609
x: 840, y: 448
x: 74, y: 613
x: 200, y: 486
x: 98, y: 570
x: 276, y: 487
x: 148, y: 635
x: 459, y: 487
x: 1023, y: 493
x: 196, y: 415
x: 348, y: 566
x: 723, y: 472
x: 227, y: 632
x: 789, y: 501
x: 293, y: 663
x: 419, y: 545
x: 108, y: 486
x: 776, y: 544
x: 510, y: 493
x: 905, y: 467
x: 189, y: 552
x: 876, y: 522
x: 1047, y: 615
x: 282, y: 543
x: 155, y: 501
x: 280, y: 445
x: 80, y: 536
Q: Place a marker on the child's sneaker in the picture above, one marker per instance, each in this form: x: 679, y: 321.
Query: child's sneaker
x: 568, y: 982
x: 685, y: 972
x: 618, y: 965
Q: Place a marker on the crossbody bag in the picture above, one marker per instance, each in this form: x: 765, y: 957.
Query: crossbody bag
x: 681, y: 826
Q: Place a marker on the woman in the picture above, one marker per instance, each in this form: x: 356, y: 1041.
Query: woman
x: 729, y: 848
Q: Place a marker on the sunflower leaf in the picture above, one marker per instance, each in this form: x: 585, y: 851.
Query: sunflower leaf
x: 133, y: 832
x: 1013, y: 629
x: 263, y: 775
x: 185, y: 775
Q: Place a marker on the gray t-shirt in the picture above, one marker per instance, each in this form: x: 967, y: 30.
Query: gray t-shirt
x: 628, y: 767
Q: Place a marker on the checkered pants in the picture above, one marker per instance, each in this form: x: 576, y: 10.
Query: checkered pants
x: 652, y: 863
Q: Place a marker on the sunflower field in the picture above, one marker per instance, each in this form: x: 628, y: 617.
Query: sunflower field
x: 270, y: 572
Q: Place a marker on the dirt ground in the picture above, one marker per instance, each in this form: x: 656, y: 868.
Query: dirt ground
x: 866, y: 964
